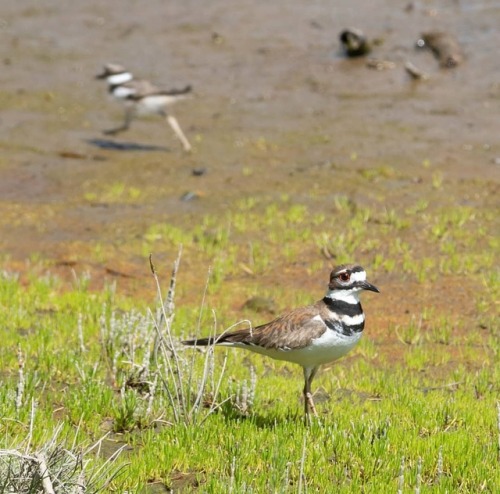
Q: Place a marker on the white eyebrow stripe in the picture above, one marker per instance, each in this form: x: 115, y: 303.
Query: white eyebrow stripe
x: 358, y: 276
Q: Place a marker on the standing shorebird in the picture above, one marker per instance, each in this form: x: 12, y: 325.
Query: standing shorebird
x: 140, y: 97
x: 309, y: 336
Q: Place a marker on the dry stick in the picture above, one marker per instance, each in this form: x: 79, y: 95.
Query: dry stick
x: 152, y: 391
x: 176, y: 376
x: 80, y: 483
x: 48, y: 488
x: 419, y: 475
x: 200, y: 393
x: 401, y: 482
x: 168, y: 320
x: 171, y: 290
x: 231, y: 478
x: 167, y: 307
x: 286, y: 478
x: 55, y: 435
x: 169, y: 372
x: 216, y: 392
x: 32, y: 421
x: 80, y: 333
x: 219, y: 382
x: 224, y: 363
x: 202, y: 384
x: 439, y: 464
x: 209, y: 355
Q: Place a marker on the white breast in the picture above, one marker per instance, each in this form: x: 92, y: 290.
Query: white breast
x: 330, y: 346
x: 123, y: 92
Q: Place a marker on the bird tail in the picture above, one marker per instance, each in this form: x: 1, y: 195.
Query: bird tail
x: 230, y: 339
x: 200, y: 342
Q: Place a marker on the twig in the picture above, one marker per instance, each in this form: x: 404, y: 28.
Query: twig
x: 44, y: 474
x: 80, y: 333
x: 231, y: 478
x: 439, y: 464
x: 201, y: 387
x: 401, y: 482
x: 161, y: 340
x: 419, y: 475
x: 32, y: 422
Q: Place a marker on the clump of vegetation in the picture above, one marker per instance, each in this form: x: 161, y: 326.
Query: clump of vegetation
x: 413, y: 408
x: 55, y: 466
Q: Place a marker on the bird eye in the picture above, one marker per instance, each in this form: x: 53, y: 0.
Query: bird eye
x: 344, y: 276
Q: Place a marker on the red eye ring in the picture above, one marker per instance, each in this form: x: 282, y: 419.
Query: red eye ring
x: 344, y: 276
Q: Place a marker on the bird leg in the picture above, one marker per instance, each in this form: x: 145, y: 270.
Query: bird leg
x: 309, y: 374
x: 178, y: 132
x: 129, y: 116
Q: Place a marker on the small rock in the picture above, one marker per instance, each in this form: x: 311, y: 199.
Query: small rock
x: 217, y: 39
x: 198, y: 172
x: 189, y: 196
x: 354, y: 42
x: 415, y: 72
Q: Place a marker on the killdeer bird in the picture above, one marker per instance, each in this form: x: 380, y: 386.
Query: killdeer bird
x: 140, y: 97
x: 309, y: 336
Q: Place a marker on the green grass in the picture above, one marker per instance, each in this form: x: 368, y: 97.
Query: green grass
x: 413, y: 408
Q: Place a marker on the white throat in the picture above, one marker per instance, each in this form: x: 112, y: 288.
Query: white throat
x: 115, y: 79
x: 348, y: 296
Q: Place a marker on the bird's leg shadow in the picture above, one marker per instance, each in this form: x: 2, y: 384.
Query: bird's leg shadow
x: 129, y: 116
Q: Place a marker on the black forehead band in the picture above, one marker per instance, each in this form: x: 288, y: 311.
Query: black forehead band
x: 356, y: 269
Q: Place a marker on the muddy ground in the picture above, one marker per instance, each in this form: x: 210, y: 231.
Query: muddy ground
x: 278, y: 109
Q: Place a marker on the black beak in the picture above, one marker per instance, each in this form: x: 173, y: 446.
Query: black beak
x: 368, y: 286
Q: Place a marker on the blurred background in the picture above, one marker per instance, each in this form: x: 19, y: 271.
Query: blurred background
x: 278, y: 109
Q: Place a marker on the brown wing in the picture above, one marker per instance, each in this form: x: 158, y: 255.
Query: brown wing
x: 293, y: 330
x: 177, y: 92
x: 141, y: 88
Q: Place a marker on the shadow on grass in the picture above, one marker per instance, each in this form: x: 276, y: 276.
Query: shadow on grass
x: 110, y: 144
